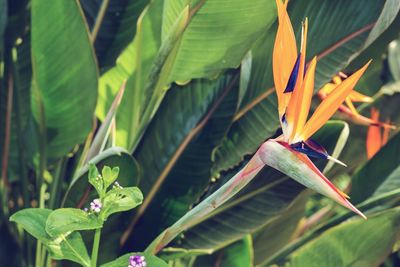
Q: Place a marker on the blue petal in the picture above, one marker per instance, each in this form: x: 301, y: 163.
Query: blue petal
x: 283, y: 118
x: 310, y: 148
x: 293, y: 76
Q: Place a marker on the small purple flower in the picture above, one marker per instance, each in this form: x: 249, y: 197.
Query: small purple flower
x: 95, y: 205
x: 137, y: 261
x: 85, y: 209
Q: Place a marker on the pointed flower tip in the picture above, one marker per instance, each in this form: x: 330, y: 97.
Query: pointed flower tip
x: 357, y: 211
x: 344, y: 194
x: 366, y: 65
x: 337, y: 161
x: 389, y: 126
x: 283, y: 157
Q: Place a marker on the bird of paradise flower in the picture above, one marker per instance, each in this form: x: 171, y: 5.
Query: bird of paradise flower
x: 288, y: 153
x: 294, y: 87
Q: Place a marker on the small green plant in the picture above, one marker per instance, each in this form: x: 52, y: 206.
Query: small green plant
x: 58, y: 231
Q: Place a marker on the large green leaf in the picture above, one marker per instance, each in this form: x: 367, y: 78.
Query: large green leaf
x: 353, y: 243
x: 176, y: 152
x: 380, y: 174
x: 259, y: 203
x: 375, y: 204
x: 116, y: 30
x: 69, y: 247
x: 133, y: 65
x: 233, y: 28
x: 179, y: 50
x: 64, y: 75
x: 334, y: 34
x: 278, y: 233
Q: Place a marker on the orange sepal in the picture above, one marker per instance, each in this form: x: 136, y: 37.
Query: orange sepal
x: 374, y: 139
x: 284, y: 55
x: 331, y: 103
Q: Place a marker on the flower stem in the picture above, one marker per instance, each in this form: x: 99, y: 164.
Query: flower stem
x: 99, y: 20
x: 40, y: 249
x: 38, y: 254
x: 208, y: 205
x: 95, y: 250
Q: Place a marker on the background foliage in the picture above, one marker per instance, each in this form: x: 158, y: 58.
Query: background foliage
x: 179, y: 94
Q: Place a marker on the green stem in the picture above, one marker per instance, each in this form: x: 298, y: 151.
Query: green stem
x: 40, y: 250
x: 99, y: 20
x: 95, y: 250
x: 54, y: 187
x: 38, y: 254
x: 48, y: 261
x: 44, y: 254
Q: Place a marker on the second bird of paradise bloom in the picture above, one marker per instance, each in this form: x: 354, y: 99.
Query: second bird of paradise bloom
x: 294, y: 84
x: 349, y: 110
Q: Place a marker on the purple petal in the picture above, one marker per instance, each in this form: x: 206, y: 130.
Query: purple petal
x: 311, y: 148
x: 293, y: 76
